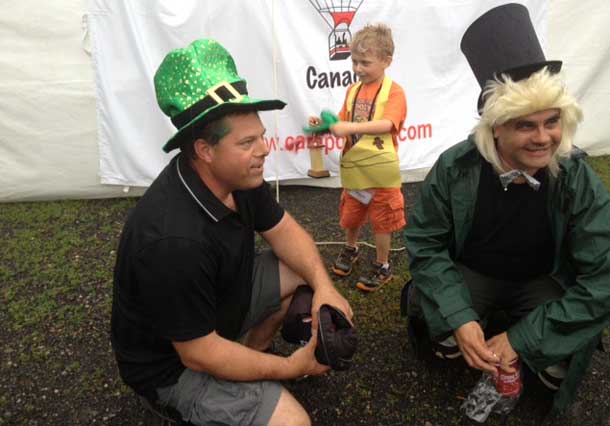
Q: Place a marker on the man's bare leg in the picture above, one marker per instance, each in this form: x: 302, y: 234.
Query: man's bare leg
x: 289, y: 412
x: 260, y: 337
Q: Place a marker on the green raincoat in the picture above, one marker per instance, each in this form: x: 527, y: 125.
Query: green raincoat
x: 579, y: 212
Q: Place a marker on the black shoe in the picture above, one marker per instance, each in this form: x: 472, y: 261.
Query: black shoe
x: 553, y: 376
x: 447, y: 349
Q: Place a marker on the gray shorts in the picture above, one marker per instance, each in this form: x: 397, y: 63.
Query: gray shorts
x: 202, y: 399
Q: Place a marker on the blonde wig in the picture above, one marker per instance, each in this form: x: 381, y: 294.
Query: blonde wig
x: 506, y: 99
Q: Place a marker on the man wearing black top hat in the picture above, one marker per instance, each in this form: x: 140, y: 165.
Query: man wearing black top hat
x: 194, y: 307
x: 514, y: 219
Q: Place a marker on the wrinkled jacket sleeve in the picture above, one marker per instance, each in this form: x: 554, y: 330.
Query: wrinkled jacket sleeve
x: 443, y: 296
x: 557, y: 329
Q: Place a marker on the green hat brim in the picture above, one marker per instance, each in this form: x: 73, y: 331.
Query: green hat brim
x: 246, y: 103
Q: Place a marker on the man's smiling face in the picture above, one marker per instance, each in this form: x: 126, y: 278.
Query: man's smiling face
x: 528, y: 143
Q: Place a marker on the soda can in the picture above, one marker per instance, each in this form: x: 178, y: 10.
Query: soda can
x: 509, y: 384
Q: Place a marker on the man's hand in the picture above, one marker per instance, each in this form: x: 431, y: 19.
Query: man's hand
x: 471, y: 340
x: 328, y: 295
x: 500, y: 345
x: 304, y: 361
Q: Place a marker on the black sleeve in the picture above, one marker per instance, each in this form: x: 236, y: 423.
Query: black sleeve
x: 176, y: 279
x: 268, y: 212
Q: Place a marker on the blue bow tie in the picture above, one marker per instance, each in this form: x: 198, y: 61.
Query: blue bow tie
x: 509, y: 177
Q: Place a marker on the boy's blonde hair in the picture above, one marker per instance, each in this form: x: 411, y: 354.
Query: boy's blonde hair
x: 377, y: 38
x: 506, y: 99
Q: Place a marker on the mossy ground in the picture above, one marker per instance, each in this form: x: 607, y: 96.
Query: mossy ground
x: 57, y: 366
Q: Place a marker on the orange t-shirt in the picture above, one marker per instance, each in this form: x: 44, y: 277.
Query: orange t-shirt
x: 364, y: 107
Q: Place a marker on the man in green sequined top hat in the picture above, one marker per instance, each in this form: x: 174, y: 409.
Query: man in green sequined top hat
x: 195, y: 308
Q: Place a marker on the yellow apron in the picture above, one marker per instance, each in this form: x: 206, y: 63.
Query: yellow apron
x: 372, y: 162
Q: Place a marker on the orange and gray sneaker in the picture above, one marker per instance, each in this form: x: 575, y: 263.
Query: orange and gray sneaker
x: 345, y: 261
x: 376, y: 278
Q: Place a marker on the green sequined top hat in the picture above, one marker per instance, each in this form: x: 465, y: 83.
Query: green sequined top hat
x: 198, y: 84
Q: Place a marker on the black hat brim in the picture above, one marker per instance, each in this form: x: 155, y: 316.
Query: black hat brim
x: 188, y: 131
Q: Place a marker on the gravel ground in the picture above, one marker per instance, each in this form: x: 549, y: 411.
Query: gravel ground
x: 57, y: 367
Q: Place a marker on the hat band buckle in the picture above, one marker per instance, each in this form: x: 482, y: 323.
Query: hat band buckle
x: 212, y: 93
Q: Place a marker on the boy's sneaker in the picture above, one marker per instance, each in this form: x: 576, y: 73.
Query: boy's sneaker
x: 345, y: 261
x: 447, y: 349
x: 377, y: 277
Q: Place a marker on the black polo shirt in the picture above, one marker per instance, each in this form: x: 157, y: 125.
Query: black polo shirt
x: 184, y: 269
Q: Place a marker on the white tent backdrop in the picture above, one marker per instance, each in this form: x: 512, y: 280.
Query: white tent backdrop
x: 81, y: 125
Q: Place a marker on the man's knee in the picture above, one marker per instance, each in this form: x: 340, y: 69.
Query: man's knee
x: 421, y: 342
x: 289, y: 280
x: 289, y: 412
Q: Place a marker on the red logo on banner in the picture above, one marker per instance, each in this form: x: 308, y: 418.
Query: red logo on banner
x: 338, y: 15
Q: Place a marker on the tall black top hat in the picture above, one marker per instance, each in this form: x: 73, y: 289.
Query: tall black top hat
x: 503, y: 41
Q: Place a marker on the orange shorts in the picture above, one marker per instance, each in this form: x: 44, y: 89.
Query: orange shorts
x: 386, y: 211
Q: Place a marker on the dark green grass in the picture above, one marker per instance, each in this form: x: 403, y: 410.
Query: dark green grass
x: 57, y: 367
x: 602, y: 166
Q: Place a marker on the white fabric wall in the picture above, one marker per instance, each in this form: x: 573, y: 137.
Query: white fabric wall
x: 279, y: 58
x: 579, y: 34
x: 48, y: 124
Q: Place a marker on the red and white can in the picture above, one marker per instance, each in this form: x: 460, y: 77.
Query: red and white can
x: 509, y: 384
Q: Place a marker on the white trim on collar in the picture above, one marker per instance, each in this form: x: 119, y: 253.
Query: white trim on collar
x: 191, y: 192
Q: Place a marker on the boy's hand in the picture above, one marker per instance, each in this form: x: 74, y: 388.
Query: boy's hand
x: 321, y: 124
x: 314, y: 121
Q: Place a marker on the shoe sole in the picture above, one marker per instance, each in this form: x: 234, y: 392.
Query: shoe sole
x: 447, y: 356
x: 341, y: 273
x: 546, y: 383
x: 364, y: 287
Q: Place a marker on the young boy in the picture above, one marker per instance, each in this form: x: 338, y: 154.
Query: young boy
x: 371, y: 117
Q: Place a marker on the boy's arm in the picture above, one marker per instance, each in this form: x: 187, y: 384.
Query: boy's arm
x: 391, y: 121
x: 375, y: 127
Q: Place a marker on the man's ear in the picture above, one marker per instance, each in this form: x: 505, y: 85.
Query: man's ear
x: 388, y: 61
x: 203, y: 150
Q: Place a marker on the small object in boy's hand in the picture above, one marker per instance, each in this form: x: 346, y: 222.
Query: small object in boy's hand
x: 328, y: 119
